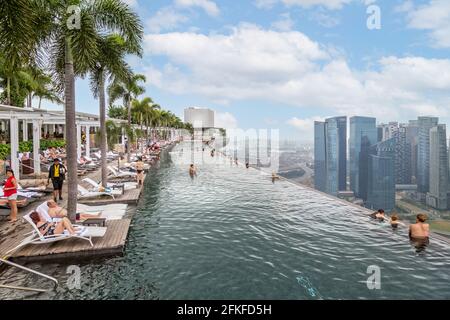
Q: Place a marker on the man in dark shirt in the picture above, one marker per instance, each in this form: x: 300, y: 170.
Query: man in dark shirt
x: 57, y: 173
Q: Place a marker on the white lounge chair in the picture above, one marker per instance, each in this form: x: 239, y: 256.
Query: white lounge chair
x: 35, y: 237
x: 121, y: 174
x: 83, y: 193
x: 127, y: 185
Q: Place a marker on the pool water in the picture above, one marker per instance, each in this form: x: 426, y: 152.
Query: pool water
x: 230, y: 233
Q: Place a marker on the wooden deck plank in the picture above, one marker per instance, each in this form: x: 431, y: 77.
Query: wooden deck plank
x: 112, y: 243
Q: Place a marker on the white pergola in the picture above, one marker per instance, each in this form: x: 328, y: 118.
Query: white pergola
x: 50, y: 121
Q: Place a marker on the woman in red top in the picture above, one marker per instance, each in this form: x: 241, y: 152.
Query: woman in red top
x: 10, y: 191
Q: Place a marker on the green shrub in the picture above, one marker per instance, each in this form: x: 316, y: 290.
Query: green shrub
x: 45, y: 144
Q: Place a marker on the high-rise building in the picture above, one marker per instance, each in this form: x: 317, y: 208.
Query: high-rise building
x: 437, y: 197
x: 320, y: 156
x: 423, y: 152
x: 381, y: 179
x: 363, y: 134
x: 331, y: 144
x: 403, y: 170
x: 387, y: 130
x: 412, y: 136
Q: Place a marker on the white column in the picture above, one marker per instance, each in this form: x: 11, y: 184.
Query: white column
x: 25, y: 130
x: 37, y: 146
x: 78, y: 140
x: 53, y: 127
x: 88, y: 141
x: 14, y: 137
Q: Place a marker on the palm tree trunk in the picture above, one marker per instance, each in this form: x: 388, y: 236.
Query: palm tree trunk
x: 71, y: 132
x: 129, y: 125
x: 103, y: 140
x: 8, y: 91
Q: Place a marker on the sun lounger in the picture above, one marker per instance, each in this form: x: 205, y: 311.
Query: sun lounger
x: 97, y: 187
x: 126, y: 185
x: 83, y: 193
x: 83, y: 233
x: 121, y: 174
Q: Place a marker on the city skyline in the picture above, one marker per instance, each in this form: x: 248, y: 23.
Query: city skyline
x: 384, y: 159
x: 283, y: 65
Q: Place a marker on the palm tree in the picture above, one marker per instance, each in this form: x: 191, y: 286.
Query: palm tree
x: 110, y: 64
x: 73, y: 50
x: 128, y: 88
x: 140, y: 110
x: 20, y: 32
x: 42, y: 87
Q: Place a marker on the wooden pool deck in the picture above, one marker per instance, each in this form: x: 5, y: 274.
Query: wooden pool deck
x: 112, y: 243
x: 129, y: 197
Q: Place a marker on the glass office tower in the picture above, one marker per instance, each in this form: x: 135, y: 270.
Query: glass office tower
x: 437, y: 197
x: 381, y: 178
x: 423, y: 152
x: 363, y: 134
x: 320, y: 168
x: 331, y: 148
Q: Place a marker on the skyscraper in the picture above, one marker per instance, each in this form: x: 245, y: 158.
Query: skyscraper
x: 403, y: 170
x: 437, y: 197
x: 363, y: 134
x: 423, y: 152
x: 331, y: 147
x: 381, y: 179
x: 388, y: 130
x: 320, y: 167
x: 412, y: 136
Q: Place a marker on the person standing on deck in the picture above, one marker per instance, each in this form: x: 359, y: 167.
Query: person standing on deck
x: 10, y: 192
x: 140, y: 171
x: 57, y: 173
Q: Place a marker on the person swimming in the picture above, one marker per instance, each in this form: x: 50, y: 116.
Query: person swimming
x: 247, y: 165
x: 419, y: 233
x: 394, y: 221
x: 192, y: 171
x: 420, y: 230
x: 378, y: 215
x: 275, y: 177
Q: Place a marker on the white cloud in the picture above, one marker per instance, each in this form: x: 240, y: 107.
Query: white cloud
x: 324, y: 19
x: 285, y: 23
x: 329, y: 4
x: 433, y: 17
x: 225, y: 120
x: 304, y: 126
x: 252, y: 63
x: 210, y: 7
x: 166, y: 18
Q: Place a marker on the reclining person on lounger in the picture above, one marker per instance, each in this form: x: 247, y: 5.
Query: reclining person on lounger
x: 56, y: 211
x: 50, y: 228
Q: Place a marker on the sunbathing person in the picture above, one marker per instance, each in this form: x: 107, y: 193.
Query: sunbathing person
x: 56, y: 211
x: 50, y: 228
x: 192, y: 171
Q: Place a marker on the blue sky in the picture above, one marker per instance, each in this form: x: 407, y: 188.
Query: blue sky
x: 282, y: 64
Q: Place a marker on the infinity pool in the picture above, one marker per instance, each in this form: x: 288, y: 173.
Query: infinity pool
x: 231, y: 233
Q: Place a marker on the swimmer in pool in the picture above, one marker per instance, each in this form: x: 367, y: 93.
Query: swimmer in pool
x: 275, y: 177
x: 247, y: 165
x: 379, y: 215
x: 419, y: 233
x: 192, y: 171
x: 420, y: 230
x: 394, y: 221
